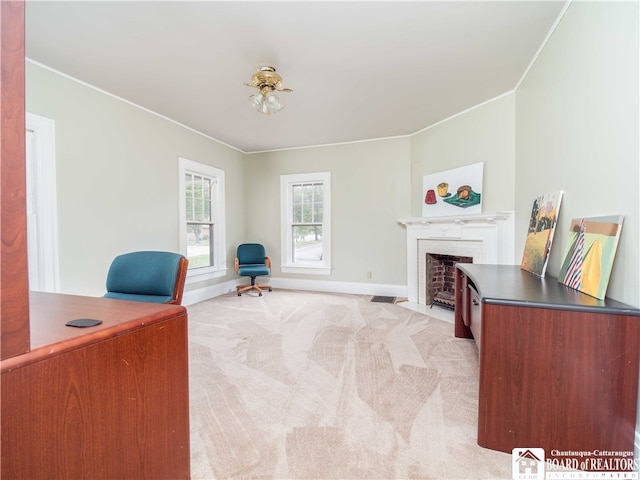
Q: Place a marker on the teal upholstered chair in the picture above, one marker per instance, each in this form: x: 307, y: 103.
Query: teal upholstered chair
x: 252, y: 261
x: 156, y: 277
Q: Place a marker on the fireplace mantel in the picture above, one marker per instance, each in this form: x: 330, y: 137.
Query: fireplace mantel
x: 457, y: 219
x: 492, y: 233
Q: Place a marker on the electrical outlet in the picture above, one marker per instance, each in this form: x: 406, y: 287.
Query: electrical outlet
x: 369, y: 275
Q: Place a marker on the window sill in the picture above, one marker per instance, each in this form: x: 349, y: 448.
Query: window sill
x: 306, y: 269
x: 197, y: 277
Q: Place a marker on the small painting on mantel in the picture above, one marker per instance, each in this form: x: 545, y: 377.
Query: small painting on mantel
x: 453, y: 192
x: 542, y: 226
x: 589, y: 254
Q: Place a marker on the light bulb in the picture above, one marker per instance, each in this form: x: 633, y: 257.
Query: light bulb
x: 272, y: 102
x: 256, y: 101
x: 272, y: 99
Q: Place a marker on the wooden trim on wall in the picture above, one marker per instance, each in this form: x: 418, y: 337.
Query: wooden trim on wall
x: 14, y: 282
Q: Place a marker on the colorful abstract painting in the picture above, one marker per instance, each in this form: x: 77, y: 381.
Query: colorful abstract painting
x: 542, y: 226
x: 453, y: 192
x: 589, y: 254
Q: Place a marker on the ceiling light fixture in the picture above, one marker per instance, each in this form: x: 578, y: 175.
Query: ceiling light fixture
x: 268, y: 82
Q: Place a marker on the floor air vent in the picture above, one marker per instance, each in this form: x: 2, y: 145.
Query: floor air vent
x: 382, y: 299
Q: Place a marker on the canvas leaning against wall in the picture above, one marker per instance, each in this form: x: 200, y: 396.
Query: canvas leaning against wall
x: 453, y: 192
x: 542, y: 226
x: 589, y: 254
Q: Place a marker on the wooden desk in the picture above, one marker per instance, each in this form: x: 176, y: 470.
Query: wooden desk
x: 103, y: 402
x: 558, y: 368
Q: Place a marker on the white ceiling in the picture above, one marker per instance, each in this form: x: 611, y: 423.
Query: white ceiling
x: 358, y: 70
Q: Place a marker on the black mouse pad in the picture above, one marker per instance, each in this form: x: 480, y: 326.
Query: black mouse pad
x: 83, y: 322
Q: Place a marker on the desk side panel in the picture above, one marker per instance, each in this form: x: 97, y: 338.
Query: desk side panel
x: 557, y: 380
x: 118, y: 408
x: 461, y: 315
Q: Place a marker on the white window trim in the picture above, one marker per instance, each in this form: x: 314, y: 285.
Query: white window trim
x: 220, y: 261
x: 44, y: 269
x: 286, y: 212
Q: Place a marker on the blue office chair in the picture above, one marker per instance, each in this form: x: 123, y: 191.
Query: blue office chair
x: 252, y: 261
x: 156, y: 277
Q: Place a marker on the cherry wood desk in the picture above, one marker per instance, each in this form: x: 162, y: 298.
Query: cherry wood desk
x: 558, y: 368
x: 103, y: 402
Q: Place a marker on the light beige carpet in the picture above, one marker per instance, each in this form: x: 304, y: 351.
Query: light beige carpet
x: 299, y: 385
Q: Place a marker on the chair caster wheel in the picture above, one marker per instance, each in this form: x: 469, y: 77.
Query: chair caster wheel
x: 271, y: 290
x: 239, y: 294
x: 260, y: 294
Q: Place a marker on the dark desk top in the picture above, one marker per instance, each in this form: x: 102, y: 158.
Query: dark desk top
x: 48, y: 313
x: 510, y: 285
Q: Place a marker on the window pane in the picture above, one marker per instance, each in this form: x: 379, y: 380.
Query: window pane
x: 198, y: 198
x: 307, y: 243
x: 297, y: 213
x: 306, y: 213
x: 318, y: 192
x: 206, y: 210
x: 199, y: 245
x: 296, y: 203
x: 206, y: 199
x: 317, y: 213
x: 189, y: 208
x: 297, y: 193
x: 308, y: 194
x: 206, y: 193
x: 188, y: 193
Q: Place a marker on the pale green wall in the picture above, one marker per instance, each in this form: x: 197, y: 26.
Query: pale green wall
x: 483, y: 134
x: 117, y: 178
x: 577, y: 131
x: 369, y: 194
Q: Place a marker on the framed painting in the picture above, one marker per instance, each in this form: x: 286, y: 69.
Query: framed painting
x: 542, y: 226
x: 453, y: 192
x: 589, y: 254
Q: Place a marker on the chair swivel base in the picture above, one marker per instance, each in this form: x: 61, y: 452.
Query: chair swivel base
x: 245, y: 288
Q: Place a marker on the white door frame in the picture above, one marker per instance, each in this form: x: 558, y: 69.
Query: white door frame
x: 42, y: 207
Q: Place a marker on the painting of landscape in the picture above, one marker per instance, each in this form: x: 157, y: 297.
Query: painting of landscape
x: 589, y: 254
x: 542, y: 225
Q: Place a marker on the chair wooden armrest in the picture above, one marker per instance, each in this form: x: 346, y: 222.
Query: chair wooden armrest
x: 183, y: 266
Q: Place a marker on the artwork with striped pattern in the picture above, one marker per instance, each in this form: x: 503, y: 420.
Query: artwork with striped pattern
x: 589, y: 254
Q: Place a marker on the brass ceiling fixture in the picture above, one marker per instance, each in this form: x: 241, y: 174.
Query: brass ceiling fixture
x: 268, y: 82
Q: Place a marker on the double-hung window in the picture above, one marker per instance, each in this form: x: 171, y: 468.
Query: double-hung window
x: 305, y: 201
x: 202, y: 236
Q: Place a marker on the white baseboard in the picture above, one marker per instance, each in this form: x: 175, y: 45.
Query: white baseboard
x: 201, y: 294
x: 340, y: 287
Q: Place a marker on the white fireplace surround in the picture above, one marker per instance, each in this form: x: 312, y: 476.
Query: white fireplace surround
x: 486, y: 237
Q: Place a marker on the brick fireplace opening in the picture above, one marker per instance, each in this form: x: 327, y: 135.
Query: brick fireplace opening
x: 440, y: 278
x: 446, y: 254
